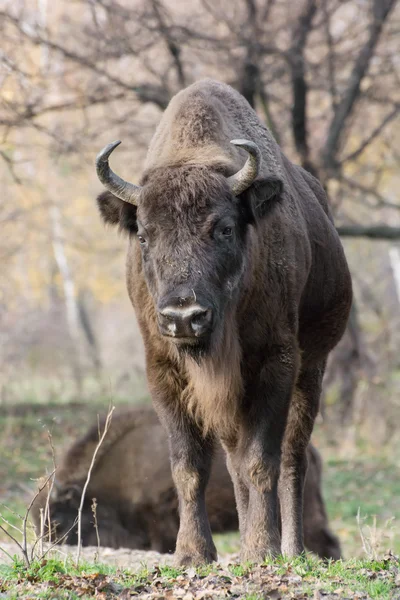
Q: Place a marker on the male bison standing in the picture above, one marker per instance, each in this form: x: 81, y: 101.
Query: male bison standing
x: 241, y: 289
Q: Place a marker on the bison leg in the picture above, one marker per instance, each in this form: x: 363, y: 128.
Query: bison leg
x: 317, y: 535
x: 259, y: 453
x: 302, y: 413
x: 260, y: 534
x: 191, y: 457
x: 241, y: 493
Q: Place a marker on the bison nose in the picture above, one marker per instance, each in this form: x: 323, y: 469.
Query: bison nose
x: 185, y: 322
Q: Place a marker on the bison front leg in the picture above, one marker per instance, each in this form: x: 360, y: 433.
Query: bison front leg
x: 302, y: 414
x: 241, y: 492
x: 259, y: 453
x: 191, y: 456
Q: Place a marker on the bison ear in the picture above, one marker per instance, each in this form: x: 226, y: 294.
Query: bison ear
x: 117, y: 212
x: 264, y: 194
x: 261, y: 197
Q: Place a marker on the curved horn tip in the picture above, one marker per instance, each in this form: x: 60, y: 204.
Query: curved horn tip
x: 128, y: 192
x: 106, y: 151
x: 239, y: 142
x: 240, y: 181
x: 246, y: 144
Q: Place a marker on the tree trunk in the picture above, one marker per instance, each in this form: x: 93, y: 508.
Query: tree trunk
x: 71, y: 305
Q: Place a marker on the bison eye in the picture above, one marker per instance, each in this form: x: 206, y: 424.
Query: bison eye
x: 142, y: 240
x: 227, y: 232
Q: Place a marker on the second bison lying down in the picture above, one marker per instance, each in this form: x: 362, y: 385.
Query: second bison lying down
x: 137, y: 506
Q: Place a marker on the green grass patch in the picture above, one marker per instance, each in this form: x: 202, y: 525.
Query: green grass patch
x: 170, y: 572
x: 371, y: 486
x: 304, y: 576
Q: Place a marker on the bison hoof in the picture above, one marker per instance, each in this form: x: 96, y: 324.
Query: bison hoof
x: 292, y: 549
x: 260, y: 553
x: 186, y: 559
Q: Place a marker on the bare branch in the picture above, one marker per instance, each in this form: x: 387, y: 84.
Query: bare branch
x: 106, y: 428
x: 174, y: 49
x: 299, y: 84
x: 377, y: 131
x: 145, y: 92
x: 10, y: 524
x: 16, y: 542
x: 249, y: 80
x: 7, y: 553
x: 380, y: 11
x: 369, y: 191
x: 25, y: 520
x: 61, y: 539
x: 45, y: 515
x: 331, y: 53
x: 264, y: 16
x: 10, y: 164
x: 374, y: 232
x: 32, y: 112
x: 265, y: 103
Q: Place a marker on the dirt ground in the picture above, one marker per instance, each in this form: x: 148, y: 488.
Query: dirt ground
x: 134, y: 560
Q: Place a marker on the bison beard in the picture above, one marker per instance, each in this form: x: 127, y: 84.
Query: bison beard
x: 215, y: 379
x: 136, y: 466
x: 241, y: 289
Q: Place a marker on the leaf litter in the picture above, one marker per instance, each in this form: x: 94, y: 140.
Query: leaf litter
x: 278, y: 580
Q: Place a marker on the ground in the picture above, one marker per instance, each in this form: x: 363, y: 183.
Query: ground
x: 359, y: 479
x: 124, y: 575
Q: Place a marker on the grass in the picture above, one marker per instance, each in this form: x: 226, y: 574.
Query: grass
x: 33, y: 389
x: 303, y: 577
x: 372, y: 486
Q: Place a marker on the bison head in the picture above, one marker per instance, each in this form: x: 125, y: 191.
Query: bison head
x: 119, y: 524
x: 191, y: 222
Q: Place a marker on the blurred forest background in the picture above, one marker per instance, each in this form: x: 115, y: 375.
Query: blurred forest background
x: 324, y: 75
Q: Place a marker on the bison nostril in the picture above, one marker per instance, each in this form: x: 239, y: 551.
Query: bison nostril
x: 168, y: 322
x: 201, y: 321
x: 190, y: 322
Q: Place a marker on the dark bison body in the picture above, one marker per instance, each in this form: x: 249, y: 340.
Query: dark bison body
x: 137, y: 505
x: 241, y: 289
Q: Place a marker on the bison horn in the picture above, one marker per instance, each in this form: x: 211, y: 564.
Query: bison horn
x: 128, y: 192
x: 240, y: 181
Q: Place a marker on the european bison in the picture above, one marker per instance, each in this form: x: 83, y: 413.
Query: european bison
x: 136, y: 501
x: 241, y: 289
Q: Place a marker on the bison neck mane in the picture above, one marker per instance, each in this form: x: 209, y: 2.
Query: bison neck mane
x: 215, y: 383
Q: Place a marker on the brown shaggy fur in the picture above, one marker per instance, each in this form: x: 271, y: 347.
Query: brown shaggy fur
x: 215, y: 386
x: 278, y: 290
x: 150, y: 519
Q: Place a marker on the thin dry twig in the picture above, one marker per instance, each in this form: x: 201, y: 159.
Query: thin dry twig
x: 23, y: 546
x: 7, y: 553
x: 10, y: 164
x: 10, y: 524
x: 26, y: 558
x: 96, y: 526
x: 13, y: 512
x: 106, y: 428
x: 46, y: 515
x: 60, y: 540
x: 389, y: 117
